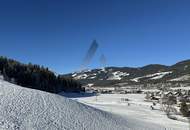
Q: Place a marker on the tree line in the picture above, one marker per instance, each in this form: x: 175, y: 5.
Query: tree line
x: 36, y: 77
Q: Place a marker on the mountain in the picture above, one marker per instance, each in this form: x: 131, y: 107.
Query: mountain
x: 150, y: 74
x: 30, y: 109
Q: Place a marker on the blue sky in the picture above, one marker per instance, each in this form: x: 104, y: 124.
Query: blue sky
x: 58, y: 33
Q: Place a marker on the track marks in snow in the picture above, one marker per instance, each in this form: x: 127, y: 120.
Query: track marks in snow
x: 27, y: 109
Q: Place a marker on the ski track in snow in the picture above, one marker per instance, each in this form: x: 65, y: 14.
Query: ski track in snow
x: 139, y: 111
x: 28, y: 109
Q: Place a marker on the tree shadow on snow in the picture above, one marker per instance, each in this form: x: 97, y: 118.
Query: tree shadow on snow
x: 78, y: 95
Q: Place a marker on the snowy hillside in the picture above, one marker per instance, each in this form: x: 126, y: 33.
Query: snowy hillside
x: 153, y: 73
x: 138, y: 110
x: 182, y: 78
x: 27, y: 109
x: 152, y: 76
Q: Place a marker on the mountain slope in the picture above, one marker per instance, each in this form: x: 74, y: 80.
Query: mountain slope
x: 153, y: 73
x: 27, y: 109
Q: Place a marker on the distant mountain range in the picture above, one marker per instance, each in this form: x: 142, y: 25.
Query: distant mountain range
x: 153, y: 73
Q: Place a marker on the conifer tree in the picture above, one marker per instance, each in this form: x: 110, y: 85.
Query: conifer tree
x: 184, y: 109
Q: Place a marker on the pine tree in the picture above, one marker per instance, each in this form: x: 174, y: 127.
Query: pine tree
x: 184, y: 109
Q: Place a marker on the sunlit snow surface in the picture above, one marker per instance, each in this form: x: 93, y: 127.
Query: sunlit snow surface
x: 27, y: 109
x: 182, y: 78
x: 139, y: 111
x: 152, y: 76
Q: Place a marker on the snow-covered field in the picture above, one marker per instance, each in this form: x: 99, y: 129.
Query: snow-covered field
x: 137, y: 109
x: 182, y: 78
x: 152, y: 76
x: 117, y: 75
x: 28, y: 109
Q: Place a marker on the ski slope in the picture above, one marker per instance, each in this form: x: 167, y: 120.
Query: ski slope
x: 137, y: 110
x: 27, y: 109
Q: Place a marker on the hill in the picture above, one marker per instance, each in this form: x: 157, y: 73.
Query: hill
x: 150, y: 74
x: 29, y: 109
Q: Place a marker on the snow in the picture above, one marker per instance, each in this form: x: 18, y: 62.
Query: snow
x: 81, y: 76
x: 161, y: 75
x: 74, y: 75
x: 107, y: 88
x: 28, y: 109
x: 182, y: 78
x: 84, y: 76
x: 92, y: 77
x: 103, y: 69
x: 120, y: 73
x: 182, y: 88
x: 185, y: 67
x: 1, y: 77
x: 90, y: 85
x: 81, y: 71
x: 152, y: 76
x: 117, y: 75
x: 138, y: 111
x: 150, y: 90
x: 136, y: 79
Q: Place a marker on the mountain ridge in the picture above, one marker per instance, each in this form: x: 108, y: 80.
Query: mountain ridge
x: 152, y: 73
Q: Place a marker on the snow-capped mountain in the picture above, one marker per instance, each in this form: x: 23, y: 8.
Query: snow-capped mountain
x: 154, y: 73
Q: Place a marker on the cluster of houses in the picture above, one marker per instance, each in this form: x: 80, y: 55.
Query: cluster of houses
x: 172, y: 96
x: 114, y: 90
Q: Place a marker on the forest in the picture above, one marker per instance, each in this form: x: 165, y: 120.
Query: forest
x: 36, y: 77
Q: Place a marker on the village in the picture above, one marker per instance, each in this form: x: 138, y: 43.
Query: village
x: 174, y: 102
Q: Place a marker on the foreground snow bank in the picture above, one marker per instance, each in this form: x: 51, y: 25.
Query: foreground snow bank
x: 27, y: 109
